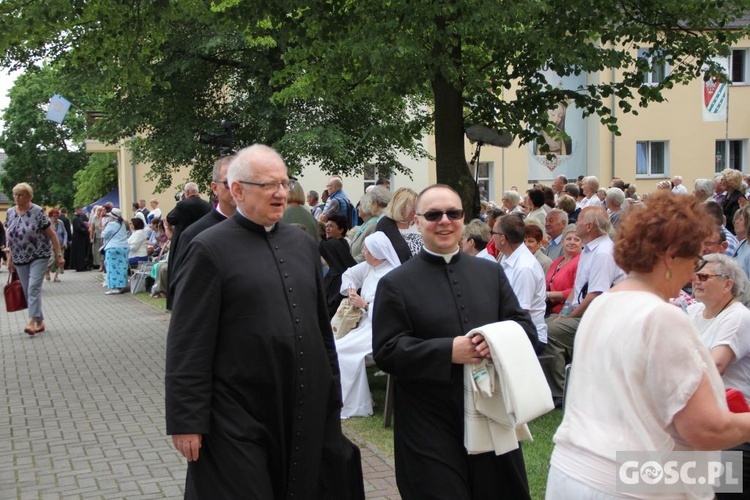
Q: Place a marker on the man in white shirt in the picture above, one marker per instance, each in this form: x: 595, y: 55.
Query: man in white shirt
x: 597, y: 273
x: 679, y: 187
x: 589, y: 186
x: 523, y: 271
x: 556, y: 221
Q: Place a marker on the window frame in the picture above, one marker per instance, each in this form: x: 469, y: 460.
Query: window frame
x: 649, y: 158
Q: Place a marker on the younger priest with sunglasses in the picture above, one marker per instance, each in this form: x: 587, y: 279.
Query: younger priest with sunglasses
x: 422, y: 311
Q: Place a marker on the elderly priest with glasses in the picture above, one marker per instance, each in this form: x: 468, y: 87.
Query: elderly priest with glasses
x: 422, y: 312
x: 253, y: 397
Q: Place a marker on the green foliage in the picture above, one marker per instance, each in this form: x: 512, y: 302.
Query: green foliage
x: 40, y: 152
x: 96, y: 179
x: 341, y: 84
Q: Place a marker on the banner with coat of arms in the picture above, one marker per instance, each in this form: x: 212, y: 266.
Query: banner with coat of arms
x: 715, y: 94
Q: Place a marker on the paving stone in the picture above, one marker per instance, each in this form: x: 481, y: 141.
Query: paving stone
x: 82, y: 407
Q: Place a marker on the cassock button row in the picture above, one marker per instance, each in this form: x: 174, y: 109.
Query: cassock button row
x: 296, y: 320
x: 302, y: 353
x: 286, y: 275
x: 459, y: 294
x: 466, y: 320
x: 463, y: 307
x: 299, y: 417
x: 290, y: 289
x: 301, y: 368
x: 294, y: 305
x: 299, y: 337
x: 455, y: 282
x: 281, y: 261
x: 276, y: 247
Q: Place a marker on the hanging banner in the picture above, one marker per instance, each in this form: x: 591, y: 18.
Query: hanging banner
x: 570, y: 153
x: 714, y: 96
x: 57, y: 109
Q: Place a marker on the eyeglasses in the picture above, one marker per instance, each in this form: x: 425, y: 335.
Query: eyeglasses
x: 703, y: 277
x: 225, y: 183
x: 496, y: 233
x: 270, y: 187
x: 436, y: 215
x: 700, y: 264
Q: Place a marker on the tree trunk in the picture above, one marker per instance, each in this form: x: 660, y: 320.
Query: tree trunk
x: 451, y: 166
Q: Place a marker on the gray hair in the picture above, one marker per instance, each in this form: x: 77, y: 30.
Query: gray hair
x: 190, y: 188
x: 572, y: 189
x: 727, y: 266
x: 224, y: 160
x: 592, y: 182
x: 381, y: 196
x: 705, y: 186
x: 616, y: 196
x: 598, y: 217
x: 513, y: 197
x: 559, y: 214
x: 570, y: 228
x: 244, y: 162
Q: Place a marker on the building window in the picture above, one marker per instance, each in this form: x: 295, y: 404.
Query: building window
x: 739, y: 66
x: 651, y: 158
x: 484, y: 180
x: 658, y: 67
x: 737, y: 154
x: 372, y: 173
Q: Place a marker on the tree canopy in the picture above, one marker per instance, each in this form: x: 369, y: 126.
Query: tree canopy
x: 340, y: 84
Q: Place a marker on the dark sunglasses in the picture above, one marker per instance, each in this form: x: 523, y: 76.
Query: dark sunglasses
x: 703, y: 277
x: 436, y: 215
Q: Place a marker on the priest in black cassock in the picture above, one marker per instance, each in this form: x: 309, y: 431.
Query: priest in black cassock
x: 223, y: 209
x: 187, y: 211
x: 80, y: 253
x: 421, y: 312
x: 253, y: 397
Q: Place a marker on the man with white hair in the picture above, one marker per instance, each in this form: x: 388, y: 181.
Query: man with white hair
x: 597, y: 273
x: 253, y: 398
x: 678, y: 186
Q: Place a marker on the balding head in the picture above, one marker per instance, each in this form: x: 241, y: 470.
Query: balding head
x: 191, y: 190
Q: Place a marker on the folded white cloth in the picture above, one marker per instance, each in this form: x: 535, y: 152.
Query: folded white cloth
x: 502, y: 394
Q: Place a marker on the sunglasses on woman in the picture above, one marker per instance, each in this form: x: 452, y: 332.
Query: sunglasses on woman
x: 436, y: 215
x: 703, y: 277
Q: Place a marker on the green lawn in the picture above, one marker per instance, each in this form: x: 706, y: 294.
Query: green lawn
x: 536, y: 453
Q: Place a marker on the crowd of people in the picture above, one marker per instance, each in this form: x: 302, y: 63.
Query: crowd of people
x: 649, y: 292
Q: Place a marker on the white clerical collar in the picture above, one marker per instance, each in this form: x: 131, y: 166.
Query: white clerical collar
x: 447, y: 256
x: 267, y: 228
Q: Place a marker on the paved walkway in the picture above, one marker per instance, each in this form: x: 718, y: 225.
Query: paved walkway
x: 82, y: 405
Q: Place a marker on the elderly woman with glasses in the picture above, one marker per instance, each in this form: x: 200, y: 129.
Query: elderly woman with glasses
x: 663, y: 392
x: 723, y: 320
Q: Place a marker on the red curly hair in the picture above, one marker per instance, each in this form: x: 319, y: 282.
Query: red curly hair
x: 668, y: 223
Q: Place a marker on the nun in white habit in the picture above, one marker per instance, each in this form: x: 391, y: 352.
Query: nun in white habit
x: 380, y: 258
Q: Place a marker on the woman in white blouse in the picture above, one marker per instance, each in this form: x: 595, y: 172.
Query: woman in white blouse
x: 137, y: 242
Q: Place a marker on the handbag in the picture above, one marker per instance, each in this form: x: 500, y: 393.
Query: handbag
x: 346, y: 319
x: 15, y: 300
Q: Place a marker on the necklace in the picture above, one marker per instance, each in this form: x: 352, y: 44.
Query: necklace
x: 721, y: 310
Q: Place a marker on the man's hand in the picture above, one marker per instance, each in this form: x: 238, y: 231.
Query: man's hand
x: 469, y: 350
x: 188, y: 445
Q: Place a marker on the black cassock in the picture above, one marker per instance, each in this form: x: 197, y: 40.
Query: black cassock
x: 80, y: 252
x: 419, y: 308
x: 251, y: 365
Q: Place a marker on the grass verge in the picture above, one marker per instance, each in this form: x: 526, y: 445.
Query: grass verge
x: 536, y: 453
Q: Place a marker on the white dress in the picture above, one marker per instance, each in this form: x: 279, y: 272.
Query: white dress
x: 357, y: 344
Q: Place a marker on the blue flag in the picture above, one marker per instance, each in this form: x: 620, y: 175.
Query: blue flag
x: 58, y: 108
